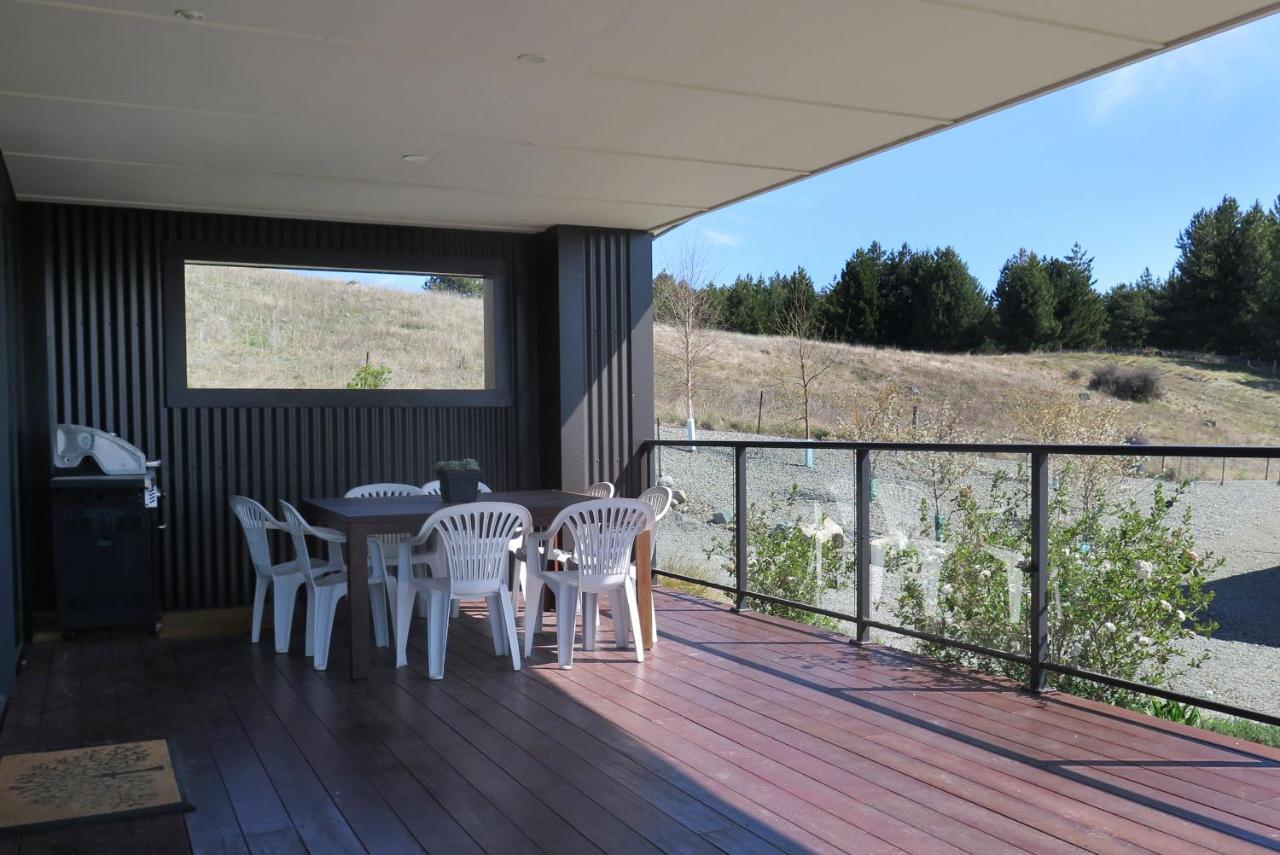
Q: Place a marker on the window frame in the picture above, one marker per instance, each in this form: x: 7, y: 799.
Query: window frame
x: 498, y: 327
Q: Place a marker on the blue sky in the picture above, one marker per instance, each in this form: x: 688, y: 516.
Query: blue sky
x: 1118, y: 163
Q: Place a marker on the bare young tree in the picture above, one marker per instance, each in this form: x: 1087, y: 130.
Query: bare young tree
x: 682, y: 303
x: 808, y: 358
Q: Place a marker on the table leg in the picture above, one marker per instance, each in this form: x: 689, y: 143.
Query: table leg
x: 644, y: 588
x: 358, y: 600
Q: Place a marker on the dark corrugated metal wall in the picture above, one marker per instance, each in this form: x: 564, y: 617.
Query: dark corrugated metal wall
x: 618, y: 352
x: 11, y: 626
x: 101, y: 288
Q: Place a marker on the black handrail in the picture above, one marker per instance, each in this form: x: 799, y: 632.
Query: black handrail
x: 1037, y: 659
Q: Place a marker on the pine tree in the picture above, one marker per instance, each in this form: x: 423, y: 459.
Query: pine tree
x: 1132, y: 312
x: 1024, y: 298
x: 1078, y: 308
x: 852, y: 306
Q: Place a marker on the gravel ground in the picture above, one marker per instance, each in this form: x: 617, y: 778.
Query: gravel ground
x: 1237, y: 521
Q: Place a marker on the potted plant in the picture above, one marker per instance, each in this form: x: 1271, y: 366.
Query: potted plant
x: 459, y: 479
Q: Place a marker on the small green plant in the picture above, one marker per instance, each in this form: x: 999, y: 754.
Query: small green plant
x: 370, y: 377
x: 468, y: 464
x: 1175, y: 711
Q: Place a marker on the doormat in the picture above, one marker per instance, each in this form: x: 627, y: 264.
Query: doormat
x: 52, y: 789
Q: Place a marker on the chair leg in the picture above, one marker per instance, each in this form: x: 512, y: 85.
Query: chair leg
x: 495, y: 624
x: 509, y: 628
x: 437, y: 632
x: 633, y: 618
x: 378, y: 611
x: 326, y: 609
x: 404, y: 617
x: 532, y: 612
x: 518, y: 583
x: 309, y: 643
x: 590, y: 622
x: 455, y: 608
x: 566, y: 623
x: 621, y: 623
x: 284, y: 596
x: 259, y: 603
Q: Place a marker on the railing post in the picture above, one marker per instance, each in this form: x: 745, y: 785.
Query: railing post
x: 1039, y: 570
x: 740, y: 525
x: 862, y: 544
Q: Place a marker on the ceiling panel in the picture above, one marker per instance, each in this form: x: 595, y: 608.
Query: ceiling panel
x: 674, y: 121
x: 185, y: 138
x: 1157, y: 21
x: 529, y: 169
x: 167, y: 62
x: 497, y: 29
x: 905, y: 56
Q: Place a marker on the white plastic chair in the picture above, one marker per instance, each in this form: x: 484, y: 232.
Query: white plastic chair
x: 658, y: 498
x: 474, y: 545
x: 601, y: 490
x: 603, y: 533
x: 382, y: 543
x: 432, y: 488
x: 327, y: 584
x: 283, y: 579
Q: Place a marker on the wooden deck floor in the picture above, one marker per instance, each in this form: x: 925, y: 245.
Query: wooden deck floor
x: 740, y: 734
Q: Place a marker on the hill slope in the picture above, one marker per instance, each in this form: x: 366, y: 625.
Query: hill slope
x: 1205, y: 402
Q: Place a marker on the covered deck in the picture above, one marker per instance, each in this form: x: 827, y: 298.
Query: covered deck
x: 740, y: 733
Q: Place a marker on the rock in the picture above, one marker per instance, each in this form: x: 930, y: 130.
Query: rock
x: 829, y: 529
x: 722, y: 517
x: 1210, y: 423
x: 1085, y: 396
x: 679, y: 497
x: 666, y: 481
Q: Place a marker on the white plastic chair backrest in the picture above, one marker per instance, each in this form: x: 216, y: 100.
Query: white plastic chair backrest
x: 602, y: 533
x: 601, y: 490
x: 658, y: 498
x: 255, y: 521
x: 432, y: 488
x: 366, y: 491
x: 476, y: 540
x: 298, y: 529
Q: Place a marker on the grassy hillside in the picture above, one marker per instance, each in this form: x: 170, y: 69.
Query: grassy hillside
x: 995, y: 394
x: 274, y: 329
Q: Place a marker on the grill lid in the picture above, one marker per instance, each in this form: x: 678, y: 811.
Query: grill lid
x: 73, y: 443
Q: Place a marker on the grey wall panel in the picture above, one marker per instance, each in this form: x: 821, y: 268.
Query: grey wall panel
x: 99, y: 281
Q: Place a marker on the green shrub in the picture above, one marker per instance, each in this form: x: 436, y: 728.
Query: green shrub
x: 783, y: 562
x: 1126, y: 586
x: 1140, y: 385
x: 370, y: 377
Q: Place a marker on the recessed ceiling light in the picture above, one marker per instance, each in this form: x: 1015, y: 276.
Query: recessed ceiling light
x: 414, y: 158
x: 531, y: 58
x: 189, y: 15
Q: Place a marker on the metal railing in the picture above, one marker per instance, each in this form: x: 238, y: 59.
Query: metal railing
x: 1037, y: 660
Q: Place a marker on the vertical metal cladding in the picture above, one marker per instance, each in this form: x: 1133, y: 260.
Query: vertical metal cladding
x: 103, y: 296
x: 618, y: 354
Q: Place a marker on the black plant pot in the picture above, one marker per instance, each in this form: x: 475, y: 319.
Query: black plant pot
x: 459, y: 486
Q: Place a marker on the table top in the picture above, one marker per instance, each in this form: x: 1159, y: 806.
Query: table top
x: 393, y: 514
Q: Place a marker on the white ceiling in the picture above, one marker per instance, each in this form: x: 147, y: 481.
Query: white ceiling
x: 647, y: 112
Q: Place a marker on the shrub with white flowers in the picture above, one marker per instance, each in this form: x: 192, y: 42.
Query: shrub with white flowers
x: 1126, y: 586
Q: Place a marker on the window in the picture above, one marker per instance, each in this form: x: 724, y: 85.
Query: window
x: 281, y: 330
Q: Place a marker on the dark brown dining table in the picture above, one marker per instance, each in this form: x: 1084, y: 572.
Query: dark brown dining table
x: 359, y: 518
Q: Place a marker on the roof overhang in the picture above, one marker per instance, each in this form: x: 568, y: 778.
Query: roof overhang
x: 642, y: 115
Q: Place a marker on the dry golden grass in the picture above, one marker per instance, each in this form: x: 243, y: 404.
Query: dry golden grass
x: 254, y: 328
x: 990, y: 391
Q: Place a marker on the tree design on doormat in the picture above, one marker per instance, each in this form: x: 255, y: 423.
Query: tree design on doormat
x: 97, y: 780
